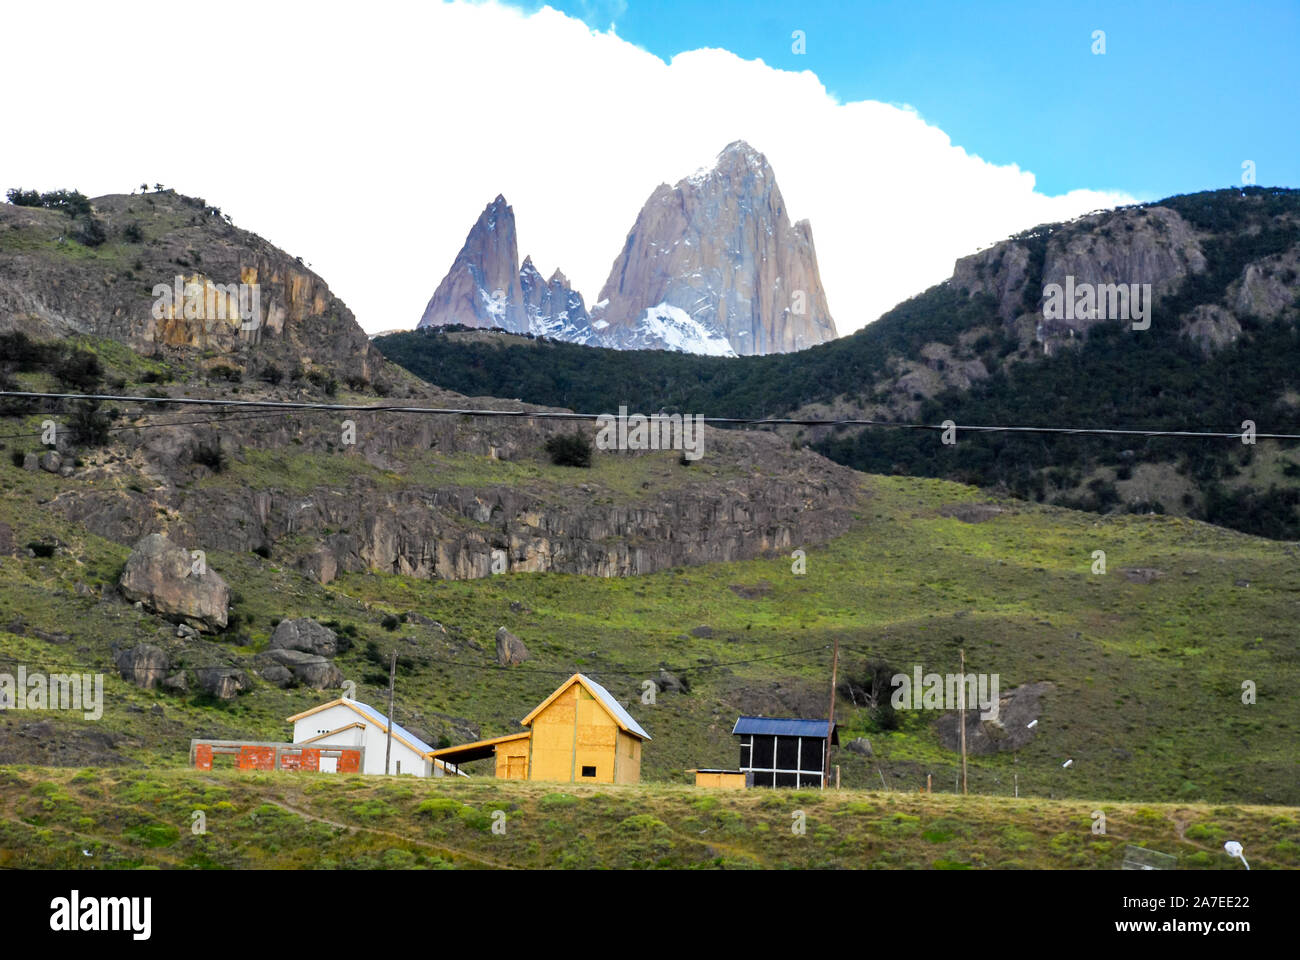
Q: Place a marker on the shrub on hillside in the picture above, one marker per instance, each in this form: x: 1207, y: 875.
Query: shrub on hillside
x: 569, y: 450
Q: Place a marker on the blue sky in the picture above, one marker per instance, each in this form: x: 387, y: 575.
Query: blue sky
x: 1184, y: 93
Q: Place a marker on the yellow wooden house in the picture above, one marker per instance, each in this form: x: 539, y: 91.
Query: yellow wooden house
x: 579, y: 734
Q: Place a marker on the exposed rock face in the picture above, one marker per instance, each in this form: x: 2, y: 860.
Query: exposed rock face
x: 144, y: 665
x: 1268, y: 286
x: 436, y: 529
x: 712, y: 265
x: 553, y: 308
x: 1210, y: 327
x: 308, y: 669
x: 47, y: 291
x: 224, y: 683
x: 1145, y: 245
x: 482, y: 288
x: 719, y: 248
x: 308, y: 636
x: 510, y: 649
x: 160, y: 574
x: 1009, y: 730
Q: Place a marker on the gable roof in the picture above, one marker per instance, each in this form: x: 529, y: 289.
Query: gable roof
x: 606, y: 699
x: 400, y: 733
x: 330, y: 733
x: 784, y: 727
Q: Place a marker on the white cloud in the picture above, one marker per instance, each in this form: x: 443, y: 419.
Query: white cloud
x: 367, y: 139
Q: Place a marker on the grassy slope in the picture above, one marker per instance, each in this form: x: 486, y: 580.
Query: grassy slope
x: 123, y: 819
x: 1148, y: 676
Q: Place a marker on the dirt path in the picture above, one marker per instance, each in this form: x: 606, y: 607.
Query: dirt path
x: 450, y: 852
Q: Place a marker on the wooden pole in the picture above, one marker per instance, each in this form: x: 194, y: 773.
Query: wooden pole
x: 928, y: 784
x: 837, y: 776
x: 388, y: 746
x: 830, y: 722
x: 962, y: 681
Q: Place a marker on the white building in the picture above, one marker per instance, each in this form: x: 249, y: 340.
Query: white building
x: 351, y: 723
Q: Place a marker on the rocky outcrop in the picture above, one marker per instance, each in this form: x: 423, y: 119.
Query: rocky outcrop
x: 712, y: 265
x: 1140, y: 245
x: 1268, y: 286
x: 308, y: 636
x: 718, y: 250
x: 144, y: 665
x: 224, y: 683
x: 1211, y: 327
x: 307, y: 669
x: 48, y: 291
x: 1008, y: 730
x: 510, y: 649
x: 553, y: 308
x: 163, y: 577
x: 396, y: 518
x: 482, y: 288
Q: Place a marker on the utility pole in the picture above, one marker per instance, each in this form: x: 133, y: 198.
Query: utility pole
x: 962, y: 688
x: 830, y: 722
x: 388, y: 747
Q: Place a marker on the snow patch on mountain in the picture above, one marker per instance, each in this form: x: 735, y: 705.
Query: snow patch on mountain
x: 665, y: 327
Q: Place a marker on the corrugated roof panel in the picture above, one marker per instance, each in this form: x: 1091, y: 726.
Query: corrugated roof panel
x: 398, y: 730
x: 780, y: 726
x: 614, y: 707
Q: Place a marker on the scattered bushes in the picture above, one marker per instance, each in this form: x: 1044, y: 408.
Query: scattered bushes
x: 210, y: 455
x: 569, y: 450
x: 88, y: 425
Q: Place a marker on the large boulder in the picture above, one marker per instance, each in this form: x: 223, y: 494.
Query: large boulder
x: 671, y: 683
x: 510, y: 649
x: 144, y: 665
x: 308, y: 669
x: 160, y: 574
x: 1009, y: 730
x: 224, y: 683
x: 308, y: 636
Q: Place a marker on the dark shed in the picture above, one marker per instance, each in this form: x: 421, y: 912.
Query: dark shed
x: 783, y: 751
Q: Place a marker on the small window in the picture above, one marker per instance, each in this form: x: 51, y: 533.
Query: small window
x: 588, y: 771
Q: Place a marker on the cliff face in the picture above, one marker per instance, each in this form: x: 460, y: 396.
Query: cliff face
x: 482, y: 288
x: 718, y: 248
x: 552, y: 307
x: 1146, y: 245
x: 712, y: 265
x: 52, y: 286
x: 438, y: 497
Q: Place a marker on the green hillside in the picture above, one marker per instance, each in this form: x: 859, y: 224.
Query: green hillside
x: 123, y: 819
x: 1147, y: 668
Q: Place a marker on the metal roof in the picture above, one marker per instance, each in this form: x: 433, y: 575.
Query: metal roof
x: 614, y: 707
x: 782, y: 727
x: 398, y: 730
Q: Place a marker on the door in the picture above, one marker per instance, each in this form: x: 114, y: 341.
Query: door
x: 517, y: 768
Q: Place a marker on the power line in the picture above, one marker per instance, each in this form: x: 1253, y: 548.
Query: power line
x: 722, y: 421
x: 458, y: 663
x: 225, y: 418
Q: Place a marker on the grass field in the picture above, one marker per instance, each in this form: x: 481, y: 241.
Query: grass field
x: 96, y: 819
